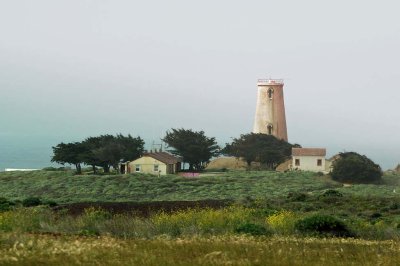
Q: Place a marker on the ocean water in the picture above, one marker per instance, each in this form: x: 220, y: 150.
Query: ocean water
x: 26, y: 152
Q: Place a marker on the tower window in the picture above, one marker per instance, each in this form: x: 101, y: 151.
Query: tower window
x: 269, y: 127
x: 270, y: 93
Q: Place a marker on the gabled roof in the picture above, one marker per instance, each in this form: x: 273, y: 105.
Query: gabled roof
x: 308, y: 152
x: 164, y: 157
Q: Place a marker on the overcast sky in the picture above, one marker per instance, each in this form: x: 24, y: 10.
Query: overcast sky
x: 74, y: 68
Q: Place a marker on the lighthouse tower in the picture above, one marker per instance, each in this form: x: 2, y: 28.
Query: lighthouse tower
x: 270, y: 110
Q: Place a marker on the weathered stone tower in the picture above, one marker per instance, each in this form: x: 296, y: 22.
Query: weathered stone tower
x: 270, y: 110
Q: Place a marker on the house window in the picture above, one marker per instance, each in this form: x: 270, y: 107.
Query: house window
x: 297, y: 162
x: 270, y: 93
x: 156, y: 168
x: 269, y: 127
x: 137, y: 168
x: 319, y: 162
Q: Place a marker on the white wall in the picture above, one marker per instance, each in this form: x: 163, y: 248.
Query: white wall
x: 309, y: 163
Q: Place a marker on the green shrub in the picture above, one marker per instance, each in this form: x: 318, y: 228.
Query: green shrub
x: 394, y: 206
x: 50, y: 203
x: 297, y: 196
x: 325, y: 225
x: 251, y: 229
x: 31, y: 202
x: 352, y: 167
x: 50, y: 168
x: 376, y: 215
x: 5, y: 205
x: 331, y: 193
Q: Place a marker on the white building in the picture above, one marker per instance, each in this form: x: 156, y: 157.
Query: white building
x: 309, y: 159
x: 156, y: 163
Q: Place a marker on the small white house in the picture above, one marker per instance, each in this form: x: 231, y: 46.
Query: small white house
x: 157, y: 163
x: 309, y: 159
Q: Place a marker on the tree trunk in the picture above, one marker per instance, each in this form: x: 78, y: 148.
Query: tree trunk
x: 106, y: 168
x: 78, y: 168
x: 248, y: 165
x: 94, y: 169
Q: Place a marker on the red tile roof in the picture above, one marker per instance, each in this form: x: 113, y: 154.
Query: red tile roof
x: 308, y: 152
x: 164, y: 157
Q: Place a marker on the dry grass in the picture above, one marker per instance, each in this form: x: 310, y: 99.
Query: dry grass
x: 223, y: 250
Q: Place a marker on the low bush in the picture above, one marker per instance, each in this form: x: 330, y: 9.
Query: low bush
x: 331, y: 193
x: 50, y: 203
x: 376, y: 215
x: 297, y: 196
x: 31, y: 202
x: 251, y: 229
x: 324, y: 225
x: 5, y: 205
x: 352, y: 167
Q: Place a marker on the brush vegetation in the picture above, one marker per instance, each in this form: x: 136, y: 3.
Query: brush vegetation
x: 66, y: 187
x: 234, y: 235
x: 289, y: 218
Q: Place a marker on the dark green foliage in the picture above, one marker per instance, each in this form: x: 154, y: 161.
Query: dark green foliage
x: 262, y: 148
x: 251, y: 229
x: 51, y: 169
x: 297, y: 196
x: 376, y: 215
x: 103, y: 151
x: 394, y: 206
x: 324, y: 225
x: 352, y: 167
x: 31, y: 202
x: 331, y: 193
x: 3, y: 200
x: 50, y: 203
x: 89, y: 232
x: 5, y: 205
x: 70, y: 153
x: 194, y: 147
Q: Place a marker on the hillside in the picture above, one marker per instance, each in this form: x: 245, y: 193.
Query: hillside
x: 64, y: 187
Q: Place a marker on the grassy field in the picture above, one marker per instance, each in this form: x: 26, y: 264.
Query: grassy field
x: 64, y: 187
x: 263, y: 223
x: 226, y: 250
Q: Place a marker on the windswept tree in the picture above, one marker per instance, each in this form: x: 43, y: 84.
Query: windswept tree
x: 88, y: 158
x: 262, y: 148
x: 104, y: 151
x: 70, y: 153
x: 132, y: 148
x: 108, y: 151
x: 194, y: 147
